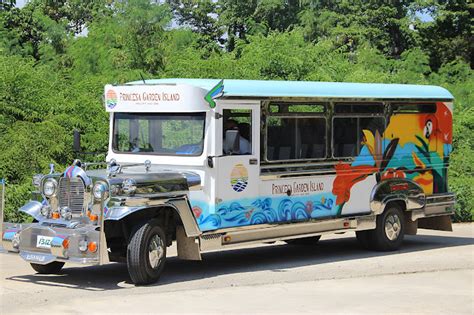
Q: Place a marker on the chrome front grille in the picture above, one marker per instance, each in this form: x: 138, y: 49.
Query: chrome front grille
x: 71, y: 193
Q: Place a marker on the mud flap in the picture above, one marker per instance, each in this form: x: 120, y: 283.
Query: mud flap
x: 441, y: 223
x: 188, y: 249
x: 411, y: 227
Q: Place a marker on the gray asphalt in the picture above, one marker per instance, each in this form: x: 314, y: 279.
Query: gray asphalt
x: 432, y: 274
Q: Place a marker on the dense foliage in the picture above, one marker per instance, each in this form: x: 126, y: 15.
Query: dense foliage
x: 56, y: 56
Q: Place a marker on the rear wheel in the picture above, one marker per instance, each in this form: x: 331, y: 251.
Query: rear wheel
x: 389, y: 233
x: 51, y: 268
x: 146, y: 253
x: 304, y: 241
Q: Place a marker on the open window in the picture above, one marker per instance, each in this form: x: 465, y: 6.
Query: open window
x: 348, y: 134
x: 238, y: 124
x: 296, y: 132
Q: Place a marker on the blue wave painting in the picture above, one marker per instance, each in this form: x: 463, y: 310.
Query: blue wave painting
x: 266, y: 210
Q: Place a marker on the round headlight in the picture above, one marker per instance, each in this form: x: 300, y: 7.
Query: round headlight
x: 66, y: 213
x: 99, y: 190
x: 50, y: 187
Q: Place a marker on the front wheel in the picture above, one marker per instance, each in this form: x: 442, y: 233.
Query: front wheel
x: 146, y: 253
x: 51, y: 268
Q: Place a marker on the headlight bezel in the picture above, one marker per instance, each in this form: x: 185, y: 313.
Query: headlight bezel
x: 100, y: 190
x: 54, y: 186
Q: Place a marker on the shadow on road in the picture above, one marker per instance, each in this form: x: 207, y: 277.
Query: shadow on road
x: 276, y: 258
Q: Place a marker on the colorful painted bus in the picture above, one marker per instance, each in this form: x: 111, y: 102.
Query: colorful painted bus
x: 218, y: 163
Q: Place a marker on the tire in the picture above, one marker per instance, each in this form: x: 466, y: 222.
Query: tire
x: 304, y: 241
x: 51, y: 268
x: 390, y: 231
x: 146, y: 253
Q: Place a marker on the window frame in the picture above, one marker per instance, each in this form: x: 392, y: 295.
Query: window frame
x: 252, y: 136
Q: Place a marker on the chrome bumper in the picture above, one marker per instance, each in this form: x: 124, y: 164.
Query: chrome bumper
x: 436, y: 205
x: 67, y: 245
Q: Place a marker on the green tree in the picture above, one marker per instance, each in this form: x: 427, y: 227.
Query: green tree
x: 450, y: 34
x: 383, y: 24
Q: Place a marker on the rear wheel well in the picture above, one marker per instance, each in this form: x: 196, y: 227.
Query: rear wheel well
x: 119, y: 232
x: 400, y: 204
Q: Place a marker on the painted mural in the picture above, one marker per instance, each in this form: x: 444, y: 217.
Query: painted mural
x: 413, y: 146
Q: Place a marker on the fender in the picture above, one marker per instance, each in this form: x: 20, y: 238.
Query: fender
x: 136, y: 204
x: 397, y: 189
x: 33, y: 209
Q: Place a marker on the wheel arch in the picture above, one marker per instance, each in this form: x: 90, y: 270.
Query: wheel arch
x: 403, y: 192
x: 120, y: 221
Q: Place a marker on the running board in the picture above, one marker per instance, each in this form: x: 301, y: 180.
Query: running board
x: 278, y: 232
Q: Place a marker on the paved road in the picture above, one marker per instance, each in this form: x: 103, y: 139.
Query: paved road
x: 433, y: 273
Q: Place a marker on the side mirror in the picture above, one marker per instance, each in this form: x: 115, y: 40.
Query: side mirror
x: 77, y: 141
x: 232, y: 142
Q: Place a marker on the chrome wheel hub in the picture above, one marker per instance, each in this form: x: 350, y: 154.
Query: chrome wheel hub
x: 392, y: 227
x: 155, y: 251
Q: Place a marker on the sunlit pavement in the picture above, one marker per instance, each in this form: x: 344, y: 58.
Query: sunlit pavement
x: 433, y: 273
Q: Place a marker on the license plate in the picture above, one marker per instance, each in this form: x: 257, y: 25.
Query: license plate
x: 44, y: 241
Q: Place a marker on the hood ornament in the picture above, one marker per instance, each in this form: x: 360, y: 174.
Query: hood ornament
x: 113, y: 168
x: 147, y: 165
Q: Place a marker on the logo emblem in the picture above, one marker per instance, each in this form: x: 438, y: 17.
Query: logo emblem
x: 214, y: 93
x: 111, y: 99
x: 239, y: 178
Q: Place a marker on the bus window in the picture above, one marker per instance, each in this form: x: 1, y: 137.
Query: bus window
x: 295, y: 138
x: 348, y: 133
x: 241, y: 120
x: 345, y: 137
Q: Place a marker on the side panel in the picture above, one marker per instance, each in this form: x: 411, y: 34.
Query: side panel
x: 413, y: 146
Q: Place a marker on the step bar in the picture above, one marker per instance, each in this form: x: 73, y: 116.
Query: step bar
x: 278, y: 232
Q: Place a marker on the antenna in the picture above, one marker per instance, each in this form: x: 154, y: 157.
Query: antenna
x: 143, y: 79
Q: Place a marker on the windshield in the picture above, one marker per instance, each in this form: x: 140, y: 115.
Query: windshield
x: 161, y: 134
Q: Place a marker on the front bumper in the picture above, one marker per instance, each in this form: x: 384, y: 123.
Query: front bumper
x: 62, y: 244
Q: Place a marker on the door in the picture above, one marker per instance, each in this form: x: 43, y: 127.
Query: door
x: 238, y: 173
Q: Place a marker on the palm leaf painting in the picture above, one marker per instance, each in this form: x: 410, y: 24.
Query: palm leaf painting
x: 388, y: 154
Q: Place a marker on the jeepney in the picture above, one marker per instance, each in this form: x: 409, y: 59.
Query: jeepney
x: 217, y: 163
